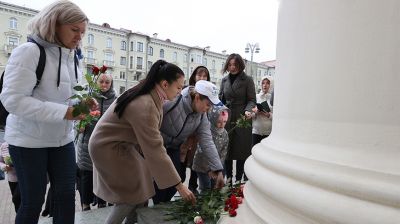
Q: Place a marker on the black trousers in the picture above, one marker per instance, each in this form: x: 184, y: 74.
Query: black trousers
x: 257, y: 138
x: 165, y: 195
x: 239, y: 169
x: 86, y: 188
x: 16, y: 195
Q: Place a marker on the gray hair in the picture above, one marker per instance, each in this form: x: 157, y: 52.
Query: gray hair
x: 58, y: 13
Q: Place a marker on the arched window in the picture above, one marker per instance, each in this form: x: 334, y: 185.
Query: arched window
x: 90, y: 39
x: 162, y: 53
x: 175, y: 56
x: 123, y: 45
x: 150, y: 50
x: 13, y: 23
x: 109, y: 43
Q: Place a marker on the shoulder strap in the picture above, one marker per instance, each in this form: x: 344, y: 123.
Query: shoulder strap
x: 76, y: 60
x: 1, y: 81
x: 41, y: 64
x: 173, y: 107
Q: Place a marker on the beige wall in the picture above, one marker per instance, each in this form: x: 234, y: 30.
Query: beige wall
x: 124, y: 75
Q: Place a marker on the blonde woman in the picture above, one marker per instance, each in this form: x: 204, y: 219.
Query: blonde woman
x: 39, y: 126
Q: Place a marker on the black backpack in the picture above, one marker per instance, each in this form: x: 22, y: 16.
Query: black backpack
x: 39, y: 73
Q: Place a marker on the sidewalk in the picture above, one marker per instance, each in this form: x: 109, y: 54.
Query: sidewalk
x: 7, y: 212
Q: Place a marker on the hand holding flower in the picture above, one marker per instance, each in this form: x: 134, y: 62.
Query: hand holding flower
x: 87, y: 109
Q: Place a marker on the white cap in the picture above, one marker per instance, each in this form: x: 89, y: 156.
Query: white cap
x: 209, y: 90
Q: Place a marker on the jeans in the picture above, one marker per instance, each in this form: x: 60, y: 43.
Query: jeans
x: 32, y: 166
x: 16, y: 196
x: 205, y: 182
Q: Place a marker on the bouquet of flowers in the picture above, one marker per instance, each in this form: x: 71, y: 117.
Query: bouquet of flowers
x: 209, y: 207
x: 85, y: 95
x: 242, y: 122
x: 8, y: 161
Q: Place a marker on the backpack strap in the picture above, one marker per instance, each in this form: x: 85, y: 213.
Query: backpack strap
x: 41, y: 64
x: 76, y: 60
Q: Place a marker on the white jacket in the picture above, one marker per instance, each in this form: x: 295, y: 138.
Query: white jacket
x: 36, y: 116
x: 262, y: 125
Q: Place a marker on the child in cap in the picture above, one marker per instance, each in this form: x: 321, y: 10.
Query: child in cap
x: 218, y: 117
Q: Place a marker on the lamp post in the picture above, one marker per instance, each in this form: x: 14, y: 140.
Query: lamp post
x: 252, y: 48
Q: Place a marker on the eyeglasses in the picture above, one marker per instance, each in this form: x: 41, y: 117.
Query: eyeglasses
x: 102, y: 81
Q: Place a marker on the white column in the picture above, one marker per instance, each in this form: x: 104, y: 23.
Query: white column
x: 334, y: 152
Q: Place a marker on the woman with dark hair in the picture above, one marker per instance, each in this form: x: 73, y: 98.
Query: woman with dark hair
x: 200, y: 73
x: 238, y: 93
x: 127, y: 149
x: 188, y: 148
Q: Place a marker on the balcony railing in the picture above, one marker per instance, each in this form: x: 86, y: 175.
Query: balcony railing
x: 90, y: 61
x: 139, y: 67
x: 109, y: 63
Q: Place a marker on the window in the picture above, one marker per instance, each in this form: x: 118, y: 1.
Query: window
x: 121, y: 89
x: 139, y: 63
x: 123, y: 61
x: 213, y: 64
x: 90, y: 54
x: 191, y: 57
x: 13, y: 41
x: 162, y: 53
x: 139, y: 47
x: 205, y: 61
x: 132, y: 46
x: 108, y: 57
x: 13, y: 23
x: 123, y: 45
x: 198, y: 59
x: 174, y: 56
x: 137, y: 76
x: 109, y: 43
x: 150, y: 50
x: 90, y: 39
x: 149, y: 64
x: 122, y: 75
x: 131, y: 62
x: 185, y: 57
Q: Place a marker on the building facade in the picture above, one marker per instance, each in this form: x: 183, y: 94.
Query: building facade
x: 129, y: 55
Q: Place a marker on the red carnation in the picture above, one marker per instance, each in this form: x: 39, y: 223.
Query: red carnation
x: 95, y: 70
x: 232, y: 213
x: 103, y: 69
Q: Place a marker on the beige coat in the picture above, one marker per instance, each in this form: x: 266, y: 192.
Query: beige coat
x: 128, y: 153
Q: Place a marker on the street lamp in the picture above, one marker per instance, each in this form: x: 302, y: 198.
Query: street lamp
x: 252, y: 48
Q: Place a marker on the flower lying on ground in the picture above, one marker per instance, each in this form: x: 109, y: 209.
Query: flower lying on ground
x: 209, y: 207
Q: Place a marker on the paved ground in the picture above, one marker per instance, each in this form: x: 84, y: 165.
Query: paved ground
x: 7, y: 213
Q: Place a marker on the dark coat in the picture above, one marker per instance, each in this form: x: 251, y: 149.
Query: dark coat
x: 238, y: 97
x: 84, y: 161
